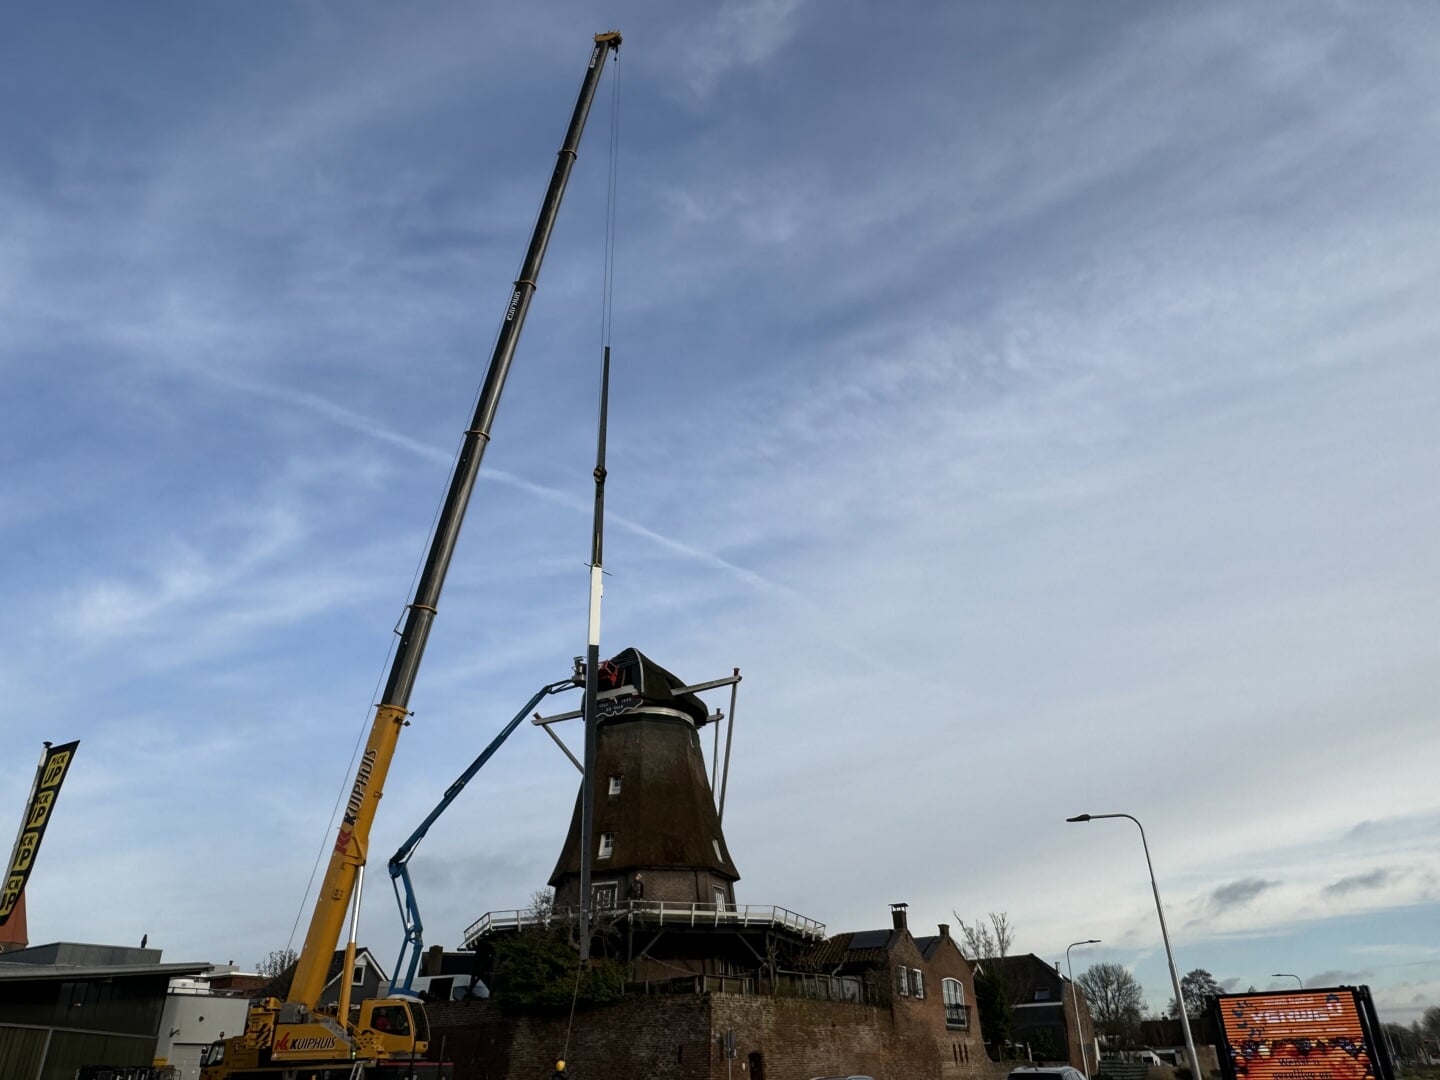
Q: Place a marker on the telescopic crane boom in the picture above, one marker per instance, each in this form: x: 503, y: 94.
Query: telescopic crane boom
x: 297, y: 1032
x: 351, y: 844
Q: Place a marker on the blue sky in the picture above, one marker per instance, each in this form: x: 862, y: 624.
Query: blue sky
x: 1035, y: 402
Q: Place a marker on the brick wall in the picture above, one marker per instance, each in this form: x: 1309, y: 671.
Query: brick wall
x: 796, y: 1039
x: 681, y: 1037
x: 638, y: 1037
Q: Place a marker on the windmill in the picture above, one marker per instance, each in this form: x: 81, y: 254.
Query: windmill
x: 657, y: 823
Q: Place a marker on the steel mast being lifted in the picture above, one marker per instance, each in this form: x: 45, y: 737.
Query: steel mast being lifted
x: 592, y: 665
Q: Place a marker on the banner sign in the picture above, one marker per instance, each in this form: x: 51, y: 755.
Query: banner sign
x: 53, y: 766
x: 1303, y: 1035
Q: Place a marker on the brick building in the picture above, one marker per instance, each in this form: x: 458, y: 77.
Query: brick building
x: 931, y: 988
x: 880, y: 1003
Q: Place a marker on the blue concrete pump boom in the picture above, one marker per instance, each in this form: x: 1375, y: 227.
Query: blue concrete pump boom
x: 399, y: 865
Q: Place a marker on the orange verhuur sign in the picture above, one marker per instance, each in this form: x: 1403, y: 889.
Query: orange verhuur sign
x: 1300, y: 1036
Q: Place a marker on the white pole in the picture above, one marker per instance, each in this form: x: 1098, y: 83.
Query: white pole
x: 1194, y: 1060
x: 1075, y: 1004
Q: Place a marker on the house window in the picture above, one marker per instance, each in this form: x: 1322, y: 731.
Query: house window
x: 953, y: 991
x: 917, y: 982
x: 614, y: 786
x: 607, y: 845
x: 357, y: 977
x: 902, y: 981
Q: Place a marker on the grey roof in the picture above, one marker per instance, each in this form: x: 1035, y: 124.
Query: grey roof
x: 81, y: 954
x: 869, y: 939
x: 19, y: 972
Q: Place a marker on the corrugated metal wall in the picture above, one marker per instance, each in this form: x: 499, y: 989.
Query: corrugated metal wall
x: 21, y: 1051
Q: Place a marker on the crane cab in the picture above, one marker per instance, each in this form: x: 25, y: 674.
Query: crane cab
x: 398, y: 1026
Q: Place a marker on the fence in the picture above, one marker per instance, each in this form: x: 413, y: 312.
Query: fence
x: 654, y: 913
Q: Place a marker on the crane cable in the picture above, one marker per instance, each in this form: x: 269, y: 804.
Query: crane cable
x: 607, y: 321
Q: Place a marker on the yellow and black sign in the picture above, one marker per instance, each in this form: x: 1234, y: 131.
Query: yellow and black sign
x: 48, y: 778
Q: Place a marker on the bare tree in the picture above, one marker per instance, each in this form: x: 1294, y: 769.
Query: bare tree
x: 542, y: 906
x: 1115, y: 999
x: 986, y: 945
x: 276, y: 963
x: 985, y: 942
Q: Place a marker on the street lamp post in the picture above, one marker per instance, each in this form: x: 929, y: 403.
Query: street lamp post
x: 1194, y: 1060
x: 1287, y: 975
x: 1075, y: 1002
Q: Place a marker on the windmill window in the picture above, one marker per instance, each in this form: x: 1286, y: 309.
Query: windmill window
x: 716, y: 845
x: 607, y: 845
x: 1042, y: 993
x: 614, y: 786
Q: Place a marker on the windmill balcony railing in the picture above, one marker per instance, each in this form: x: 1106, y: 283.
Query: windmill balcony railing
x: 653, y: 913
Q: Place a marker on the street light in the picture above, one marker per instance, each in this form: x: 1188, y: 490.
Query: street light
x: 1075, y: 1002
x: 1287, y: 975
x: 1164, y: 937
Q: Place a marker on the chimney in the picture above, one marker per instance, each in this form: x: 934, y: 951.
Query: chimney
x: 897, y: 915
x: 945, y: 931
x: 433, y: 961
x: 1057, y: 967
x: 14, y: 934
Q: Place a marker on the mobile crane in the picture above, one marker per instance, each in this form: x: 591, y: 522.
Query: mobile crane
x: 299, y: 1037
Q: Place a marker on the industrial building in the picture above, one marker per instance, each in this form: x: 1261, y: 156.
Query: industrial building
x: 66, y: 1005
